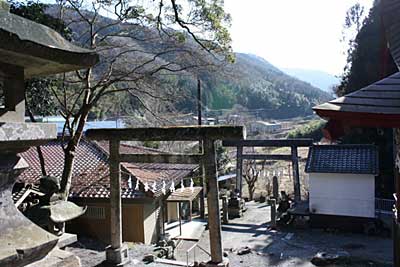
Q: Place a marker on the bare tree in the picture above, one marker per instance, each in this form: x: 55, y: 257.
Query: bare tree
x: 252, y: 171
x: 140, y: 43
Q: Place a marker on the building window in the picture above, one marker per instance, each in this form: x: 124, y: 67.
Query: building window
x: 95, y: 213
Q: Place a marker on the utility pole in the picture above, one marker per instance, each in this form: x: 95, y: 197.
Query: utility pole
x: 199, y: 102
x: 202, y: 169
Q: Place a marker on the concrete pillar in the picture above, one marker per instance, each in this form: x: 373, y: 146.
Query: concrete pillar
x: 296, y: 175
x: 214, y: 216
x: 117, y: 253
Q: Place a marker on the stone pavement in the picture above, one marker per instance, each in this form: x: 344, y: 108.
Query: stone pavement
x: 289, y: 247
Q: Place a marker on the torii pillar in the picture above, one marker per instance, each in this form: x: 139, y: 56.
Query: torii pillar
x: 117, y: 252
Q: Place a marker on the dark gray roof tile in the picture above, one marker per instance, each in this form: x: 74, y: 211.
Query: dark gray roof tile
x: 357, y: 159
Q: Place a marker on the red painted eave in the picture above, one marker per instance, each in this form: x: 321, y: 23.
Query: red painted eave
x: 361, y: 119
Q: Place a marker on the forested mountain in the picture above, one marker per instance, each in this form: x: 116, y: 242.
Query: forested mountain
x: 251, y: 81
x: 256, y: 84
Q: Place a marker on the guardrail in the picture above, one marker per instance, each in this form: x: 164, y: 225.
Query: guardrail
x: 194, y: 253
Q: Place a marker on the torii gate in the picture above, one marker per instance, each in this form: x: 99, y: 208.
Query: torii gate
x: 293, y: 157
x: 117, y: 253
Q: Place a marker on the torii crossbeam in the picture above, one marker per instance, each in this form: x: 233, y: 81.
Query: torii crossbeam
x: 293, y: 157
x: 207, y: 134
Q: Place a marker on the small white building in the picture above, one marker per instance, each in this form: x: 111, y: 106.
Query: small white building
x: 342, y: 180
x: 264, y: 127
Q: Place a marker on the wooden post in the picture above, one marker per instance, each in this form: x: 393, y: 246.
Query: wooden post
x: 214, y: 215
x: 396, y: 221
x: 273, y: 213
x: 202, y: 178
x: 161, y: 217
x: 204, y: 191
x: 275, y: 188
x: 180, y: 218
x: 225, y: 215
x: 239, y: 169
x: 190, y: 210
x: 296, y: 175
x: 115, y: 196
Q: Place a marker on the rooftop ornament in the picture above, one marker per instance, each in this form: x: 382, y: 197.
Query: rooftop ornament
x: 27, y: 49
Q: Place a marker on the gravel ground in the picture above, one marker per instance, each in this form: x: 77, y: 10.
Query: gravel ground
x: 283, y: 248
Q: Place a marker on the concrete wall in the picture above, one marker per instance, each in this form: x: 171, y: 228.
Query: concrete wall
x: 342, y: 194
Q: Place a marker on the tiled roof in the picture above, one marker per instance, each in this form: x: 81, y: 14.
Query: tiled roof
x: 356, y: 159
x: 381, y: 97
x: 185, y: 194
x: 91, y: 173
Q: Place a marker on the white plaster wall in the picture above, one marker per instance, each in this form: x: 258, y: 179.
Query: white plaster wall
x: 150, y: 212
x: 342, y: 194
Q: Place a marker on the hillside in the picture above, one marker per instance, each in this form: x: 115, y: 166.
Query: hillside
x: 256, y: 84
x: 251, y: 81
x: 319, y: 79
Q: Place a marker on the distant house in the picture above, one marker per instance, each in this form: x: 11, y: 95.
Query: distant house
x: 264, y: 127
x: 342, y: 182
x: 144, y: 213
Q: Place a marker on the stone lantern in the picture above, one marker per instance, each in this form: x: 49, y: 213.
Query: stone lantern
x: 27, y: 49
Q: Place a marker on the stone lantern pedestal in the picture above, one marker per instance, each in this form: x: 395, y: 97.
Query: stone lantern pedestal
x: 22, y: 242
x: 27, y: 49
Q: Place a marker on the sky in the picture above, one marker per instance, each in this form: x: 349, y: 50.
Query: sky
x: 291, y: 33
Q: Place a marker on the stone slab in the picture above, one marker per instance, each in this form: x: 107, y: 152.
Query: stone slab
x: 57, y: 258
x: 66, y: 239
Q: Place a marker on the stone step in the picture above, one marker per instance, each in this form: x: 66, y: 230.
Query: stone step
x: 171, y: 262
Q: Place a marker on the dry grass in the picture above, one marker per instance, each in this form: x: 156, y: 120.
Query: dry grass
x: 264, y: 183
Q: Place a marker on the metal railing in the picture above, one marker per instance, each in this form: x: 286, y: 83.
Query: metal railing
x: 384, y: 206
x: 194, y: 253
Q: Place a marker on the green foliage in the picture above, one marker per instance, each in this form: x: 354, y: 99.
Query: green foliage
x: 38, y: 92
x: 36, y: 11
x: 254, y: 83
x: 367, y: 60
x: 312, y: 130
x: 40, y: 98
x: 152, y: 144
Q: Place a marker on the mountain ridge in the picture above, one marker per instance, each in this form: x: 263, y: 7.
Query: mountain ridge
x: 320, y: 79
x: 251, y: 81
